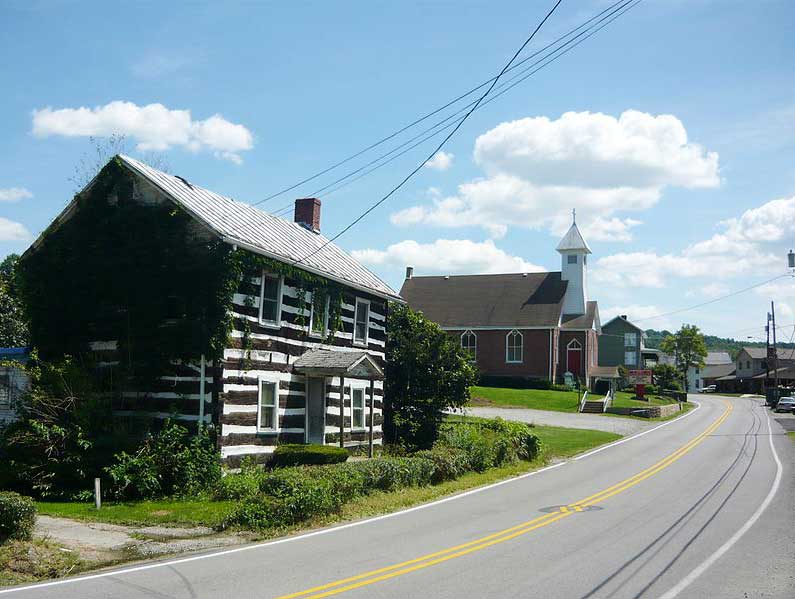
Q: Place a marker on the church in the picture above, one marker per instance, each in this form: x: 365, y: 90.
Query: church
x: 525, y: 325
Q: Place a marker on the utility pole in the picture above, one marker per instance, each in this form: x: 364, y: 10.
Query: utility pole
x: 775, y: 351
x: 767, y: 353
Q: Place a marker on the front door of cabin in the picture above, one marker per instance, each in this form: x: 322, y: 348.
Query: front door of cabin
x: 316, y: 410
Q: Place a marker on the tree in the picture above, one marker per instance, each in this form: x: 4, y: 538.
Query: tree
x: 688, y: 348
x: 665, y: 377
x: 13, y: 329
x: 426, y: 373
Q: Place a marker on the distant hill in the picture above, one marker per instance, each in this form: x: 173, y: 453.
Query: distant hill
x: 733, y: 346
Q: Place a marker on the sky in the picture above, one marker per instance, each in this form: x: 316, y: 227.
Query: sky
x: 671, y: 131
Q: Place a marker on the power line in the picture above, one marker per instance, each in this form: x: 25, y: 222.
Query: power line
x: 589, y: 28
x: 712, y: 301
x: 434, y: 111
x: 441, y: 145
x: 571, y: 45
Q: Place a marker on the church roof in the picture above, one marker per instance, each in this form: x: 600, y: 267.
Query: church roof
x: 505, y: 300
x: 573, y: 241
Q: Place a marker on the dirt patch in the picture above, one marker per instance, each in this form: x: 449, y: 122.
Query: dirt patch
x: 28, y: 561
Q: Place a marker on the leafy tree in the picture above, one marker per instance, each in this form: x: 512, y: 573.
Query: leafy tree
x: 688, y: 349
x: 13, y: 329
x: 427, y: 373
x: 51, y: 450
x: 665, y: 377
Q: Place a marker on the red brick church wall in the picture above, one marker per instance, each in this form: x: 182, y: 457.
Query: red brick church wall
x: 491, y: 352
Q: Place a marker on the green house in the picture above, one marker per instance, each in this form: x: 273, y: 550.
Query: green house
x: 621, y: 344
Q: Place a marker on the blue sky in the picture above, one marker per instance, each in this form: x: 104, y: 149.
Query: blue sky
x: 672, y: 132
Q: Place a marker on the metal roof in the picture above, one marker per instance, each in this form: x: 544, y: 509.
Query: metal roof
x: 573, y: 241
x: 329, y: 362
x: 243, y: 225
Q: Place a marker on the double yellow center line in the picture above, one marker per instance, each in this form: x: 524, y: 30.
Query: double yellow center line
x: 431, y: 559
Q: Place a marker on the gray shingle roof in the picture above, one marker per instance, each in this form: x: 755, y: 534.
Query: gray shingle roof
x: 264, y: 233
x: 582, y: 321
x: 508, y: 300
x: 717, y: 357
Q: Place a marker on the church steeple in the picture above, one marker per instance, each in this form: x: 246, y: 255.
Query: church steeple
x: 574, y: 265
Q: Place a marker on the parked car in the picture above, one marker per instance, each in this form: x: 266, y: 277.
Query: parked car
x: 785, y: 404
x: 708, y: 389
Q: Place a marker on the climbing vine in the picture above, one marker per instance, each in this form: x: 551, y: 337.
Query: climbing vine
x: 127, y: 266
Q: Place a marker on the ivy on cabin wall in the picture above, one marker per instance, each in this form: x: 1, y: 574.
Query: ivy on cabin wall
x: 119, y: 268
x: 138, y: 273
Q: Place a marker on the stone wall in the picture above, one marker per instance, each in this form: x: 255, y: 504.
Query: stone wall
x: 650, y: 412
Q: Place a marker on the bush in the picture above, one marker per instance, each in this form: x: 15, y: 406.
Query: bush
x: 299, y: 455
x: 17, y: 516
x: 449, y: 463
x: 172, y: 462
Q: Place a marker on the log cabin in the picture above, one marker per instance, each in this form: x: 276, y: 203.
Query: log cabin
x: 194, y: 306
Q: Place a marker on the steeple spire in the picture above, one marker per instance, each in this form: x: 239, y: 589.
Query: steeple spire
x: 573, y: 216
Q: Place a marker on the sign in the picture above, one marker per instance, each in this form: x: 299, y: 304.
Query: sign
x: 637, y: 377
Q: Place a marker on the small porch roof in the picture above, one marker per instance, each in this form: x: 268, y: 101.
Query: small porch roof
x: 324, y: 362
x: 604, y: 372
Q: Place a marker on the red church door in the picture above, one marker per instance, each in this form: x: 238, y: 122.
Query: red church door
x: 574, y: 357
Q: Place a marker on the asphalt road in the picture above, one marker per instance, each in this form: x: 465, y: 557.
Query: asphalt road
x: 643, y: 518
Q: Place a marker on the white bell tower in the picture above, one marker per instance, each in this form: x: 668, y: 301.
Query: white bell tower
x: 574, y: 268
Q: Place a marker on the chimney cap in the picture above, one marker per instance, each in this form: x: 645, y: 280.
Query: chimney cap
x: 409, y: 272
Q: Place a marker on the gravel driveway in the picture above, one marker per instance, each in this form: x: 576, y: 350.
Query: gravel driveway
x: 610, y: 424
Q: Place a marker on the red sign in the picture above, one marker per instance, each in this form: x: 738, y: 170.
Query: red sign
x: 636, y: 377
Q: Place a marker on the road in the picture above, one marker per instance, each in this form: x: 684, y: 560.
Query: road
x: 676, y: 511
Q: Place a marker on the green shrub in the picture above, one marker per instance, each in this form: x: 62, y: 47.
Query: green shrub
x: 17, y: 516
x: 300, y: 455
x: 172, y: 462
x: 389, y: 474
x: 449, y: 463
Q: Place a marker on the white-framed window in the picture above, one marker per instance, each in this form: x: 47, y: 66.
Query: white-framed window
x: 630, y: 339
x: 572, y: 259
x: 268, y: 406
x: 318, y: 318
x: 513, y: 347
x: 574, y: 344
x: 469, y: 343
x: 361, y: 322
x: 5, y: 389
x: 357, y: 407
x: 630, y: 358
x: 270, y: 300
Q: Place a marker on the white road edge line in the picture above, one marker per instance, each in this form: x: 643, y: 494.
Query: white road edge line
x: 703, y: 566
x: 324, y: 531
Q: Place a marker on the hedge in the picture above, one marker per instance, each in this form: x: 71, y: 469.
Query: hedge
x: 17, y: 516
x: 299, y: 455
x: 513, y: 382
x: 286, y: 496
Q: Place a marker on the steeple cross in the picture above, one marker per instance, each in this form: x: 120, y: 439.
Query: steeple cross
x: 574, y: 216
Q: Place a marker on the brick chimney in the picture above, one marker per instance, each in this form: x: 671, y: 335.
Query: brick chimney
x: 307, y: 213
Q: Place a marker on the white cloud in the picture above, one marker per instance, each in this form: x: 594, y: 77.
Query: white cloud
x: 154, y: 127
x: 614, y: 229
x: 537, y: 169
x: 588, y: 149
x: 749, y: 245
x: 14, y: 194
x: 441, y: 161
x: 447, y: 256
x: 12, y: 231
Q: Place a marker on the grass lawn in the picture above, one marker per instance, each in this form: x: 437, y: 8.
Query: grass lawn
x: 557, y: 401
x: 537, y: 399
x: 163, y: 512
x: 29, y: 561
x: 791, y: 435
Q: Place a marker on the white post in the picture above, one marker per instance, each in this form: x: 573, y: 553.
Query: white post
x: 97, y: 493
x: 201, y: 395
